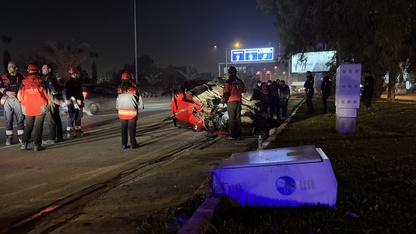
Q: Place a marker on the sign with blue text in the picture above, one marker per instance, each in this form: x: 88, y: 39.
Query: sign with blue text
x: 252, y: 55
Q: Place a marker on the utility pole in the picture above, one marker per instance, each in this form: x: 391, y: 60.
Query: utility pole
x: 136, y: 66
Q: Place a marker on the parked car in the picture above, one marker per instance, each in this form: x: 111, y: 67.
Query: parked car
x: 90, y: 107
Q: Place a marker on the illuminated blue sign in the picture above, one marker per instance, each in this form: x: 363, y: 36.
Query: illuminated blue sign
x: 252, y: 55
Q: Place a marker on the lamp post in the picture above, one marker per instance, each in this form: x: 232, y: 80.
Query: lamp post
x: 226, y: 56
x: 136, y: 69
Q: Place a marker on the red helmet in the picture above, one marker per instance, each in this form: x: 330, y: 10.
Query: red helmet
x: 126, y: 75
x: 32, y: 67
x: 72, y: 70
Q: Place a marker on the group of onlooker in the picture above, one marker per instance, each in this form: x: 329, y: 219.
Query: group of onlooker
x: 273, y: 97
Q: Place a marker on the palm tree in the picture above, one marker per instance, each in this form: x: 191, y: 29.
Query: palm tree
x: 153, y: 78
x: 63, y: 56
x: 191, y: 73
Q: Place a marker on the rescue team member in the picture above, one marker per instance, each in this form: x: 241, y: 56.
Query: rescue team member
x: 75, y: 101
x: 128, y: 104
x: 34, y: 99
x: 232, y: 95
x: 9, y: 86
x: 52, y: 117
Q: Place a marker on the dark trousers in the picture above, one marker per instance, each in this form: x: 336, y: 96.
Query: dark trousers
x: 309, y: 95
x: 234, y: 118
x: 325, y: 102
x: 35, y: 124
x: 366, y: 99
x: 54, y: 122
x: 274, y: 106
x: 128, y: 127
x: 283, y: 105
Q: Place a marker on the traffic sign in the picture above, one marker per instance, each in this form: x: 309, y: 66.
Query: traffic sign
x: 252, y: 55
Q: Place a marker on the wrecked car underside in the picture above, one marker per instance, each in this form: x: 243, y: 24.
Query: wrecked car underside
x: 197, y: 102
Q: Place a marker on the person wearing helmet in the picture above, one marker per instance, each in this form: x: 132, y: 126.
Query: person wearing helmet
x: 9, y: 86
x: 232, y: 95
x: 128, y: 104
x: 75, y: 100
x: 34, y: 98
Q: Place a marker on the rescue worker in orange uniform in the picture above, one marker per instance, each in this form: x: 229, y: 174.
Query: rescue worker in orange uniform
x: 34, y: 98
x: 232, y: 95
x: 128, y: 104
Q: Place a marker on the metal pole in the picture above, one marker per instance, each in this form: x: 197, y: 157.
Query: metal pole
x: 219, y: 70
x: 226, y: 61
x: 136, y: 71
x: 288, y: 71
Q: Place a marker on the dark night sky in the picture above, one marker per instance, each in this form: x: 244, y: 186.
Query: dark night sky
x: 171, y: 32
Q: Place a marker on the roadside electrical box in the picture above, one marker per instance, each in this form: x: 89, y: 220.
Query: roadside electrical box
x: 292, y: 176
x: 347, y: 96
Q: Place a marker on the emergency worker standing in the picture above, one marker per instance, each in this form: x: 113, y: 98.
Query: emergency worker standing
x: 309, y: 83
x: 53, y: 118
x: 128, y: 104
x: 34, y: 99
x: 9, y: 86
x: 232, y: 95
x: 75, y: 101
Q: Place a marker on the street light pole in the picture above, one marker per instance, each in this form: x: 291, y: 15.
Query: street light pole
x: 226, y: 61
x: 136, y: 69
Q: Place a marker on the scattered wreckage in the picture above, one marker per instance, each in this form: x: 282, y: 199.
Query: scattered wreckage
x: 197, y: 102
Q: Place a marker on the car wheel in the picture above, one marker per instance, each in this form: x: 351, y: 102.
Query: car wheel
x: 93, y: 108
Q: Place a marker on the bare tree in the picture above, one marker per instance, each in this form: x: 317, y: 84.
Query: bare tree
x: 63, y: 56
x: 6, y: 54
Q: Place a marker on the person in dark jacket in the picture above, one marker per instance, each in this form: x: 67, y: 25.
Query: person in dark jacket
x: 128, y: 104
x: 325, y: 90
x: 309, y: 90
x: 9, y: 86
x: 53, y: 118
x: 284, y: 93
x: 75, y: 101
x: 232, y: 95
x: 256, y: 91
x: 368, y: 90
x: 274, y: 102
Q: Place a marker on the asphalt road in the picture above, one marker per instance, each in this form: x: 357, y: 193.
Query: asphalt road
x: 91, y: 185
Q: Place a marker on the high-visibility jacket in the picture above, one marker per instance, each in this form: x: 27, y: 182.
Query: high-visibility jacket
x: 128, y: 103
x: 233, y: 89
x: 33, y: 96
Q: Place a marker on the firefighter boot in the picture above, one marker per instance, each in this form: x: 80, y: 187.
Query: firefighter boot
x: 9, y: 140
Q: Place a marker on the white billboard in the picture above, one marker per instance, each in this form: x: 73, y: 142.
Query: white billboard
x: 312, y: 61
